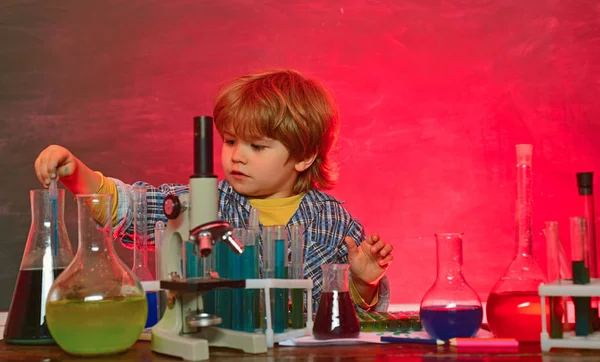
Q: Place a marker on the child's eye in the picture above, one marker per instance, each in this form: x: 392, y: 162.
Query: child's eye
x: 257, y: 147
x: 230, y: 142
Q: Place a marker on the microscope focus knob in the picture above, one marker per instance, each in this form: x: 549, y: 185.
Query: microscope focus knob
x: 172, y: 207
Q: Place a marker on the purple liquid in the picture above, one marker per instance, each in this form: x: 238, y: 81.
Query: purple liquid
x: 26, y: 322
x: 336, y: 317
x: 445, y: 323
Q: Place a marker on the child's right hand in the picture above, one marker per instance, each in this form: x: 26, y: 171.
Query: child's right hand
x: 52, y: 162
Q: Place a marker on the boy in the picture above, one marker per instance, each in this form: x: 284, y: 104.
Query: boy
x: 278, y: 129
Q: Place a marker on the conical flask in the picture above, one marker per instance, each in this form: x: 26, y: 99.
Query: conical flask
x: 450, y: 308
x: 47, y: 253
x: 336, y: 316
x: 96, y: 306
x: 513, y: 308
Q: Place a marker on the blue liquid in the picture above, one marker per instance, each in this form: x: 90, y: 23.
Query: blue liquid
x: 153, y: 309
x: 280, y: 300
x: 445, y: 323
x: 250, y: 296
x: 235, y: 272
x: 223, y: 304
x: 55, y: 227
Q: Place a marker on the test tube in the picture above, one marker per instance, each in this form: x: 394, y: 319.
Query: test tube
x: 297, y: 272
x: 578, y: 250
x: 585, y: 187
x: 554, y: 258
x: 254, y: 225
x: 236, y: 272
x: 276, y: 265
x: 580, y: 274
x: 223, y: 300
x: 53, y: 193
x: 250, y: 271
x: 140, y: 234
x: 159, y: 234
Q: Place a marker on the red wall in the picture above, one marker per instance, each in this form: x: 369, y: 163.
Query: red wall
x: 433, y: 95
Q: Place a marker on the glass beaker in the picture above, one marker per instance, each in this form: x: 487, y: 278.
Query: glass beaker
x: 513, y: 308
x: 450, y: 308
x: 96, y: 306
x: 47, y: 253
x: 336, y: 316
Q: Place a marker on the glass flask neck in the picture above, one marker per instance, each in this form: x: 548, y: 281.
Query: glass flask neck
x: 48, y: 244
x: 449, y: 256
x: 95, y: 226
x: 42, y: 207
x: 523, y: 210
x: 335, y: 277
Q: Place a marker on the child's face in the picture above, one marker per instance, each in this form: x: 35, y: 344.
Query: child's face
x: 258, y: 168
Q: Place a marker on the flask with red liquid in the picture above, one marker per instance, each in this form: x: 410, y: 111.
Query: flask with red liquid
x: 450, y: 308
x: 336, y: 316
x: 47, y: 253
x: 513, y: 308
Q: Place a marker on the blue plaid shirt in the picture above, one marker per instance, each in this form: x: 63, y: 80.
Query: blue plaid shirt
x: 326, y: 224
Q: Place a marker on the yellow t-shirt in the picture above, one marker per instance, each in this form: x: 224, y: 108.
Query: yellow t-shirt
x: 276, y: 211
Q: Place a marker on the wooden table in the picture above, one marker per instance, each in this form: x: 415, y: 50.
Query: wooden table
x: 365, y: 352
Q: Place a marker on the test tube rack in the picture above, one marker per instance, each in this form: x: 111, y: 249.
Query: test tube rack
x: 266, y: 285
x: 566, y: 288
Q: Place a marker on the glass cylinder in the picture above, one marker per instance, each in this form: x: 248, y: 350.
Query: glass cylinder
x: 556, y: 271
x: 336, y: 316
x: 140, y: 234
x: 96, y: 306
x: 450, y: 308
x: 513, y: 308
x: 47, y: 253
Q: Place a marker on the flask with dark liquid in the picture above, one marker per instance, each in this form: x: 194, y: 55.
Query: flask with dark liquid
x: 47, y: 253
x: 96, y: 306
x: 513, y: 308
x: 450, y: 308
x: 336, y: 316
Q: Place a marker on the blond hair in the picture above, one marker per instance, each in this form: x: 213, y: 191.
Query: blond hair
x: 286, y: 106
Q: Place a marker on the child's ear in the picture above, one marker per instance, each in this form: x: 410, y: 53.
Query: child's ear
x: 304, y: 164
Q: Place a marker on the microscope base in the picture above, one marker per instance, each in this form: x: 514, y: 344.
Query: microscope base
x: 187, y: 346
x: 194, y: 347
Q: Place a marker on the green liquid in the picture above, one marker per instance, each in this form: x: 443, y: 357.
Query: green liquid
x: 98, y: 327
x: 297, y: 308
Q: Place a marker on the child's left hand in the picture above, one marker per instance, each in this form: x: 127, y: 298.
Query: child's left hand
x: 369, y: 260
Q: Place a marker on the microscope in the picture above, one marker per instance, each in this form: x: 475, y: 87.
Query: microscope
x: 185, y: 330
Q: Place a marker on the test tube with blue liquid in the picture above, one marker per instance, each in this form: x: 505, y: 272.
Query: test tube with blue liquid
x: 249, y: 271
x: 297, y: 272
x: 236, y: 272
x: 254, y: 227
x: 53, y: 193
x: 223, y: 299
x: 276, y: 266
x: 140, y: 251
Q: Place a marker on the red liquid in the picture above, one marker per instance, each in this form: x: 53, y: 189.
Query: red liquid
x: 516, y: 315
x: 336, y: 317
x: 26, y: 322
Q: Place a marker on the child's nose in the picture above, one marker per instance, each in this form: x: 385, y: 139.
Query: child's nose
x: 238, y: 155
